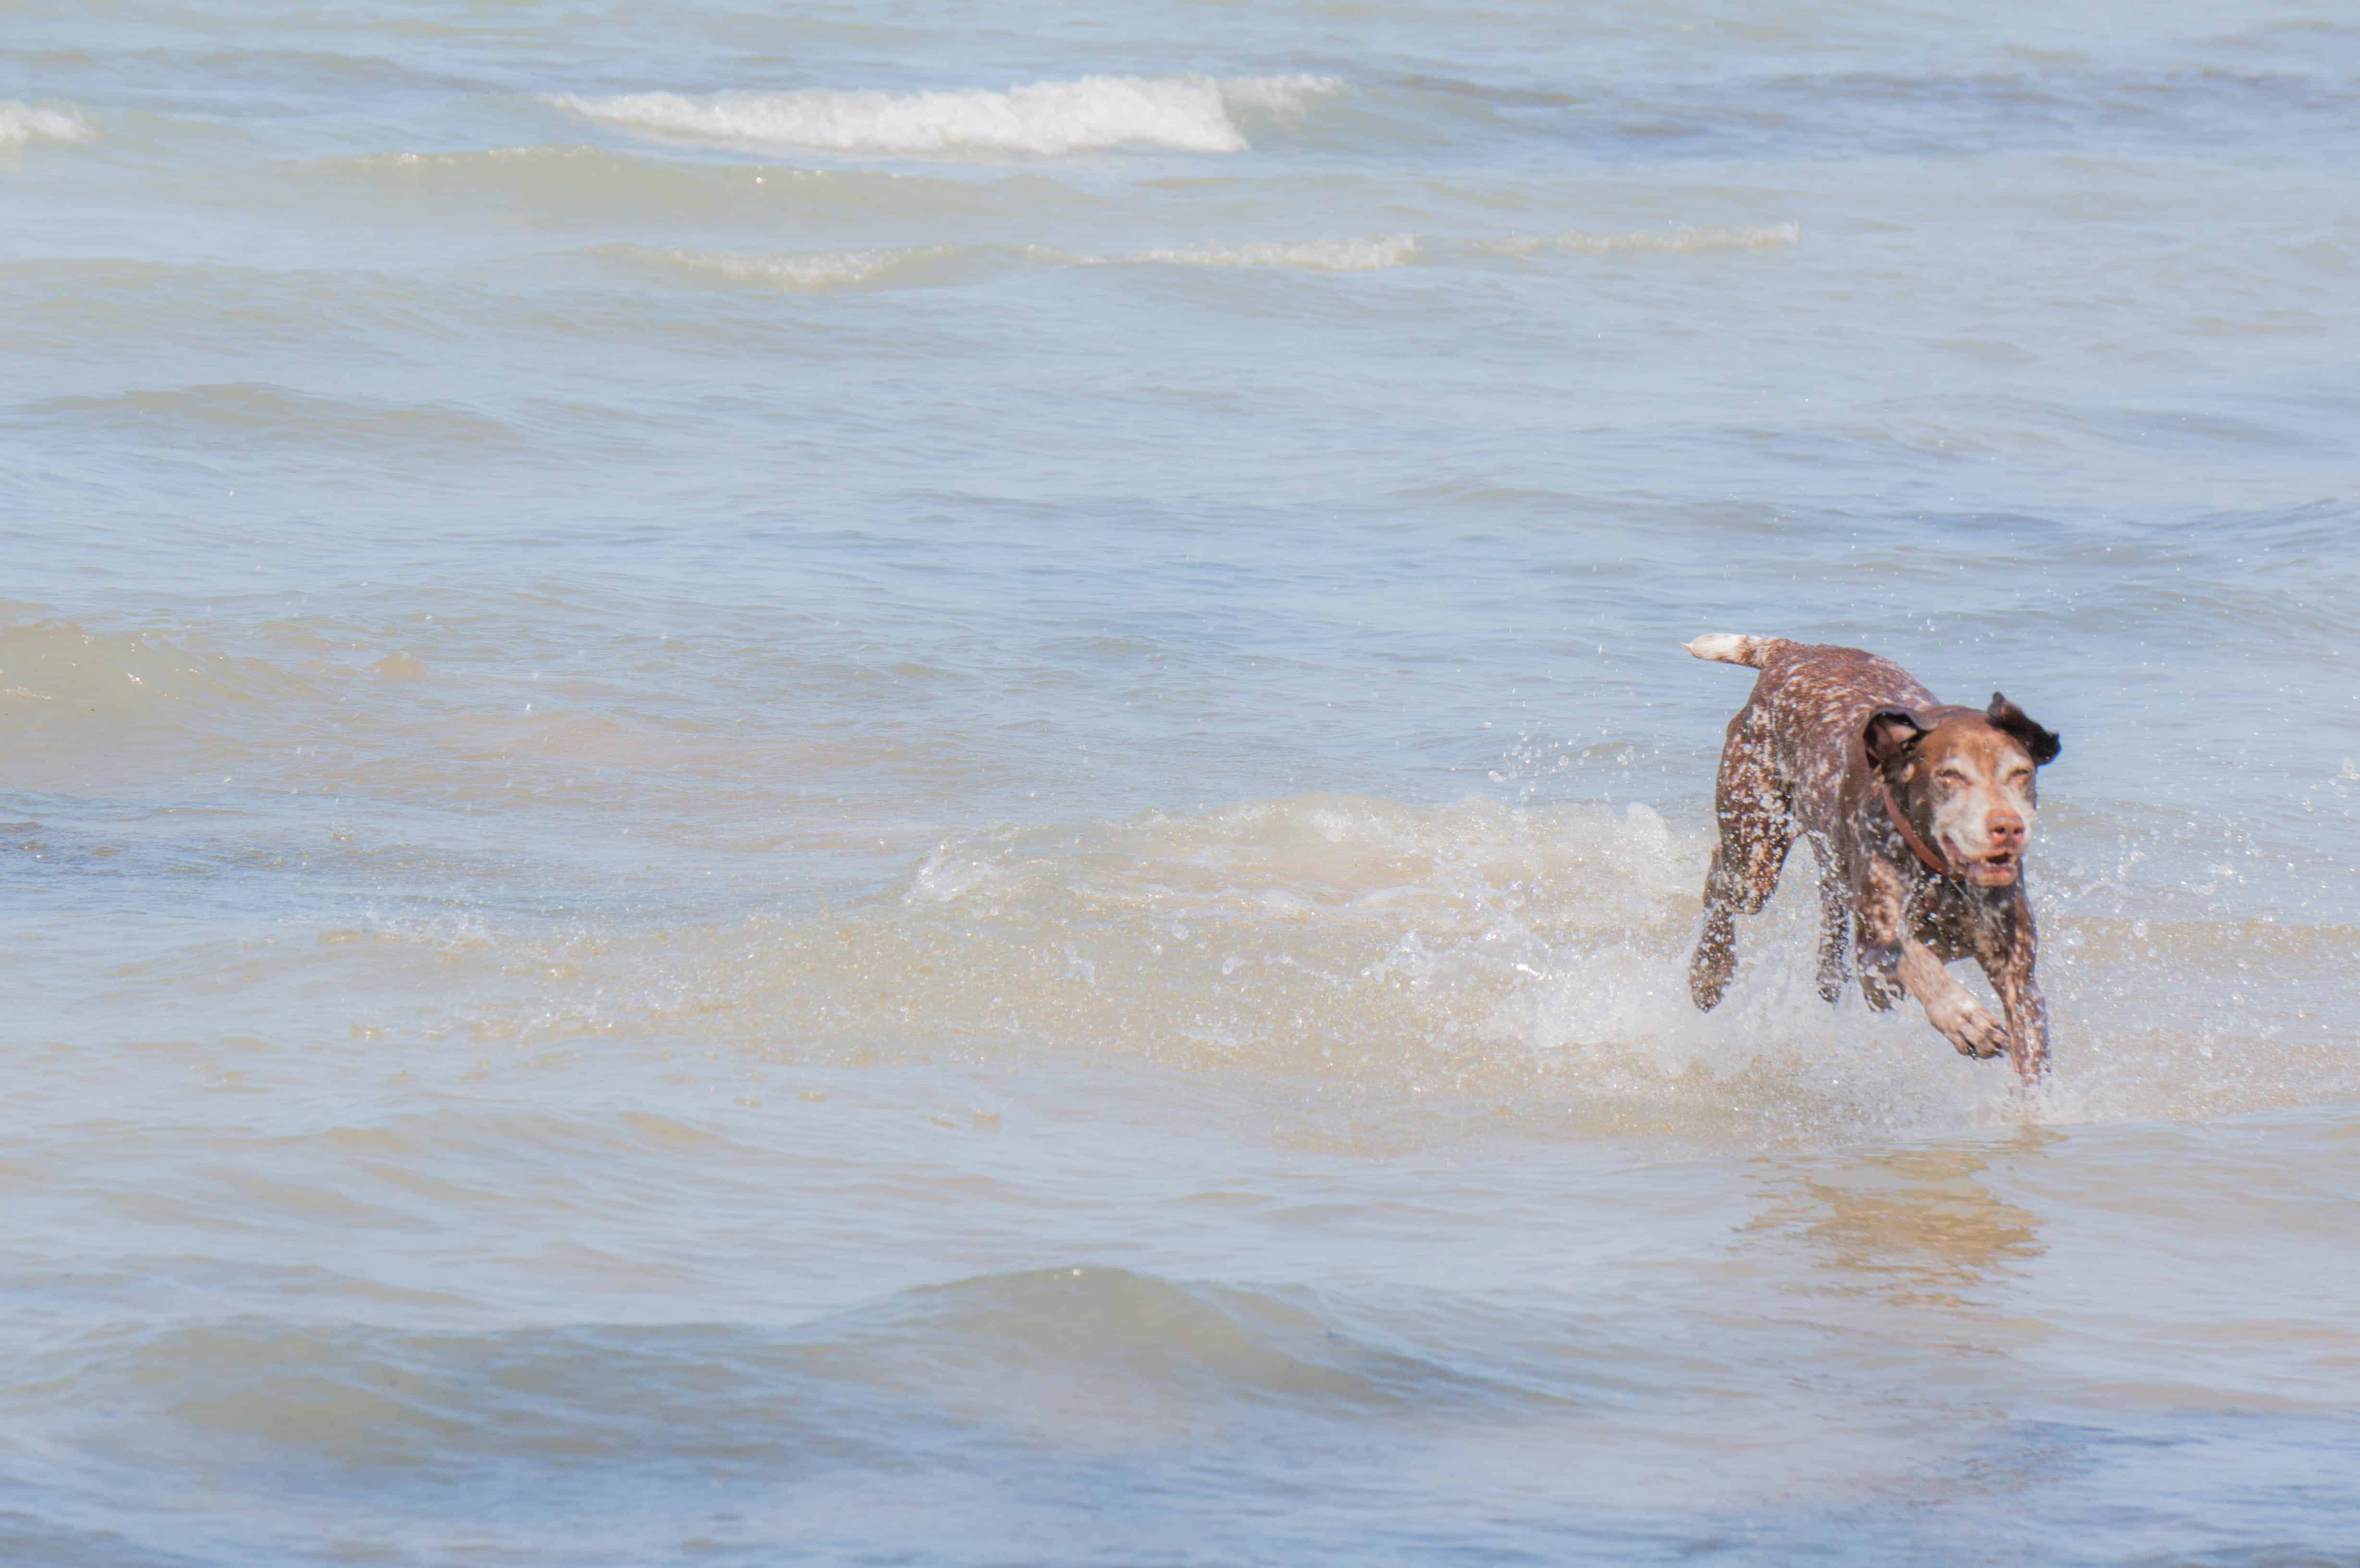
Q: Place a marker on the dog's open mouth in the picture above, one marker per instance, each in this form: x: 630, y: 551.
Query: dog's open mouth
x: 1996, y: 870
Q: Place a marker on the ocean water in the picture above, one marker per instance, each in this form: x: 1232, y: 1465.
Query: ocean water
x: 912, y: 784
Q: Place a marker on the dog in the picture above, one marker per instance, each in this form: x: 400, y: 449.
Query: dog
x: 1919, y: 813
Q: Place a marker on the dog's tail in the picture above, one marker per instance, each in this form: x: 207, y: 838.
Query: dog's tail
x: 1733, y: 648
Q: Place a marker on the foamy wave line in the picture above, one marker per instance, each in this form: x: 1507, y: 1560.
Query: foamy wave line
x: 811, y: 271
x: 815, y: 270
x: 21, y: 122
x: 1364, y: 254
x: 1189, y: 114
x: 1773, y: 237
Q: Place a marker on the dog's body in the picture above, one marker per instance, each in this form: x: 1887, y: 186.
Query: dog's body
x: 1918, y: 813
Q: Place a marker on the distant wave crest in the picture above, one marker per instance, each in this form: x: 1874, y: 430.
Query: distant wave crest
x: 918, y: 266
x: 1187, y: 113
x: 809, y: 271
x: 937, y: 265
x: 1363, y: 254
x: 21, y: 122
x: 1688, y: 237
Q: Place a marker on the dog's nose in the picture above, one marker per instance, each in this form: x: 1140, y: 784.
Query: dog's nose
x: 2005, y: 829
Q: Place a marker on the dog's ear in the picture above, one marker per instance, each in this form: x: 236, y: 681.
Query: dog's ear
x: 1890, y: 733
x: 2011, y: 720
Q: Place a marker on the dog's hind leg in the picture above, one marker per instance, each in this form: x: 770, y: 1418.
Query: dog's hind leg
x: 1716, y: 951
x: 1754, y: 837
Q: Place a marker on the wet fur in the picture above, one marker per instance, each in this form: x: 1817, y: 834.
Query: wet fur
x: 1803, y: 759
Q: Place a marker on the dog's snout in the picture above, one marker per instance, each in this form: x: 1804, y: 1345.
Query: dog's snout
x: 2005, y: 829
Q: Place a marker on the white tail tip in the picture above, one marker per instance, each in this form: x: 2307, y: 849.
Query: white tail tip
x: 1729, y: 648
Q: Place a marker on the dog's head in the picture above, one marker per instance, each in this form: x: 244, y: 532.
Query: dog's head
x: 1969, y: 776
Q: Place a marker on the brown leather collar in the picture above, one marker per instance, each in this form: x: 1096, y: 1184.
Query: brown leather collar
x: 1937, y: 864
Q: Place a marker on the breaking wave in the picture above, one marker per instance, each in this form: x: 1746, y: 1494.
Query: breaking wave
x: 21, y: 122
x: 1518, y: 961
x: 1186, y: 114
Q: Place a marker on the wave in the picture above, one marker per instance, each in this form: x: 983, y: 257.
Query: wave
x: 939, y: 264
x: 257, y: 410
x: 1367, y: 252
x: 1648, y: 116
x: 817, y: 271
x: 931, y: 266
x: 1056, y: 1356
x: 560, y: 183
x: 1698, y: 237
x: 21, y: 122
x: 1186, y: 114
x: 1528, y: 960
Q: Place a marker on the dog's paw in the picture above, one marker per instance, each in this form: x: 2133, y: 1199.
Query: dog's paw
x: 1708, y: 974
x: 1972, y: 1031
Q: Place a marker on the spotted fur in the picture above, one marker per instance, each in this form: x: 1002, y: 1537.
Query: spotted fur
x: 1804, y: 758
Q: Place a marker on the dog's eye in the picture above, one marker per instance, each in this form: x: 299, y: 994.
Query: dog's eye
x: 1949, y: 775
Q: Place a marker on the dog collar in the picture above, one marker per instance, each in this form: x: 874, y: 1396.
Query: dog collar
x: 1938, y: 865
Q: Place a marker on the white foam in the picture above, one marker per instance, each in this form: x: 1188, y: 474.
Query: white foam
x: 1189, y: 114
x: 817, y: 270
x: 1363, y: 254
x: 1692, y: 237
x: 809, y: 271
x: 21, y: 122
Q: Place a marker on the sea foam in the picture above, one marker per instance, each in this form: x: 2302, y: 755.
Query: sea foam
x: 21, y: 122
x: 1187, y: 113
x: 810, y: 271
x: 929, y: 264
x: 1688, y: 237
x: 1361, y: 254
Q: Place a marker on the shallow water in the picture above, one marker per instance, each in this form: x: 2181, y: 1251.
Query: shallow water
x: 875, y: 786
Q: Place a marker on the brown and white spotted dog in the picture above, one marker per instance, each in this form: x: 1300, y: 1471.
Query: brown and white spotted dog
x: 1918, y: 813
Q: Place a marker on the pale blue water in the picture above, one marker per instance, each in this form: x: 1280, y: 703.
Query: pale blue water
x: 662, y: 755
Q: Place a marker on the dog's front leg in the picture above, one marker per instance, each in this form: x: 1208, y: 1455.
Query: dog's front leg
x: 1876, y: 961
x: 2007, y: 955
x: 1887, y: 950
x: 1949, y: 1007
x: 1835, y: 922
x: 2027, y: 1027
x: 1879, y: 897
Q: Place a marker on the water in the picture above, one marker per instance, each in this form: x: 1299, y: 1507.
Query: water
x: 900, y: 785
